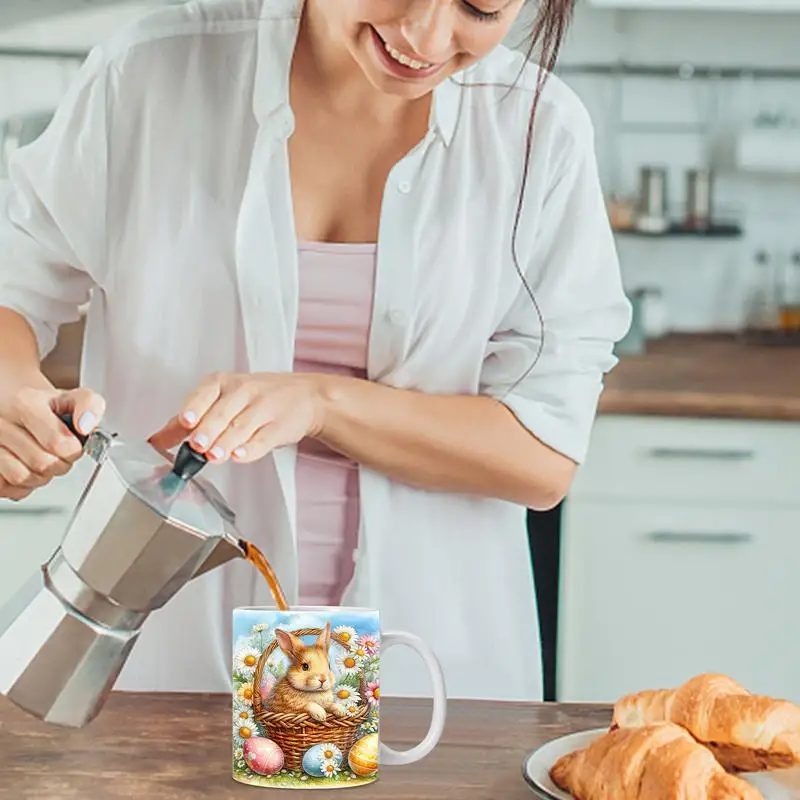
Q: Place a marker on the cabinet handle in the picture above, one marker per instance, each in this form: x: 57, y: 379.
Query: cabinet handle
x: 14, y: 510
x: 706, y: 537
x: 707, y: 454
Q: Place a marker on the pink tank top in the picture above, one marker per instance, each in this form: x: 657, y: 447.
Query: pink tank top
x: 335, y: 314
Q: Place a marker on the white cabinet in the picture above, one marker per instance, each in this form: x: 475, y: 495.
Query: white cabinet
x: 681, y: 562
x: 31, y: 530
x: 701, y: 5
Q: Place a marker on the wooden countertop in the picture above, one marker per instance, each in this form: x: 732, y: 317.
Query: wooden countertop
x: 707, y: 376
x: 170, y: 747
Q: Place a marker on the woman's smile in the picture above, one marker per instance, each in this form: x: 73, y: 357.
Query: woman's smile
x: 399, y: 63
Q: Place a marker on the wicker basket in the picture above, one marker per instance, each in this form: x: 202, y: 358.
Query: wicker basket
x: 295, y: 733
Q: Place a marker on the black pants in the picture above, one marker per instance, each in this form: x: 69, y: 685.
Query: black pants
x: 544, y: 535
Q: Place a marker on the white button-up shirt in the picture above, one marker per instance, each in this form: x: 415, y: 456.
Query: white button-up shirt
x: 161, y: 194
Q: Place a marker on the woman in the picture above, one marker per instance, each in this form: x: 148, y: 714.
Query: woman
x: 404, y: 291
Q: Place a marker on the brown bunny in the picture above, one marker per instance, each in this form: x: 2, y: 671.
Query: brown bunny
x: 307, y: 686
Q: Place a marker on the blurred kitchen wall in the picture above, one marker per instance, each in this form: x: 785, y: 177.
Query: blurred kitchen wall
x: 671, y: 122
x: 742, y: 123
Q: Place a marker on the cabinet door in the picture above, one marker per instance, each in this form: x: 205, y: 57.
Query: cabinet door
x: 32, y: 529
x: 654, y: 594
x: 657, y: 459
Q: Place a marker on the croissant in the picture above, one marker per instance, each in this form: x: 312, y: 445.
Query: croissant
x: 745, y: 732
x: 653, y: 762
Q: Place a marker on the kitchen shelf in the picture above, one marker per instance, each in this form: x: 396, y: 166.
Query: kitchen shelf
x: 737, y: 6
x: 42, y: 53
x: 682, y: 71
x: 720, y: 231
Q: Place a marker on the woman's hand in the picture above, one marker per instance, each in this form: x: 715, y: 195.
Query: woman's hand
x: 244, y: 417
x: 35, y: 446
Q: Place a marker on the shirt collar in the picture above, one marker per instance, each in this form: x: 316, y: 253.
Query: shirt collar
x: 278, y: 26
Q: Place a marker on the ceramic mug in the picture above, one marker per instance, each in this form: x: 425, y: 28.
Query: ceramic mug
x: 306, y: 697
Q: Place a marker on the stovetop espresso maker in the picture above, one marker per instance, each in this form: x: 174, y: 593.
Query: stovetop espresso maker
x: 143, y: 527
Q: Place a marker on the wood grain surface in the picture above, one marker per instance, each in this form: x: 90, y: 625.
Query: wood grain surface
x: 707, y: 376
x: 174, y: 747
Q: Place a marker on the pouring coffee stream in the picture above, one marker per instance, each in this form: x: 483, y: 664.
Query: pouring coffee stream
x: 145, y: 525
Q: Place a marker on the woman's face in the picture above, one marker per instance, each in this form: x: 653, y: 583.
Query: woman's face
x: 406, y: 47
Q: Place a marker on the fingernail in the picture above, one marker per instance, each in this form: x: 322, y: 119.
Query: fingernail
x: 217, y: 452
x: 87, y: 422
x: 189, y: 417
x: 200, y: 439
x: 239, y: 452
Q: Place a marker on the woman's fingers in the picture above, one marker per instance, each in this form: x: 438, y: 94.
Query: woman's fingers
x: 201, y: 400
x: 171, y: 435
x: 16, y: 474
x: 233, y: 441
x: 9, y: 492
x: 87, y: 408
x: 261, y: 443
x: 35, y: 412
x: 218, y: 420
x: 29, y: 452
x: 194, y: 408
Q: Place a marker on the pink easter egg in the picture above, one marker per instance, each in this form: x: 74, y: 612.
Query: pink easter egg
x: 263, y: 756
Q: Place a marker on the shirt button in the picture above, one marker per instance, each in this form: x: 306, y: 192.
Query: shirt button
x: 404, y: 187
x: 396, y: 317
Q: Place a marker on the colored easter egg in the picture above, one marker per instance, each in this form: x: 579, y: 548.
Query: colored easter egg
x: 263, y: 756
x: 363, y: 756
x: 317, y: 757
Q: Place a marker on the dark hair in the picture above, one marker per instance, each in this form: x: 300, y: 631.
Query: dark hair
x: 547, y: 35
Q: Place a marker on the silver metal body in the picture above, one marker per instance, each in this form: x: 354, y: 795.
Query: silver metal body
x: 653, y: 212
x: 128, y: 548
x: 699, y: 183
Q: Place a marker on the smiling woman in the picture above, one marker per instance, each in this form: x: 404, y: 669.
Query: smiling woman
x: 356, y: 253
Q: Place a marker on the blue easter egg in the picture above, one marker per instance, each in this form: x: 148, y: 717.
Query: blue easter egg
x: 316, y: 758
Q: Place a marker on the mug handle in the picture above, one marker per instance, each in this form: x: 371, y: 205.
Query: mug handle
x: 395, y: 758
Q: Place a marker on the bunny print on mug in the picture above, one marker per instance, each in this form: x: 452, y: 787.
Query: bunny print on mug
x: 307, y: 686
x: 306, y: 704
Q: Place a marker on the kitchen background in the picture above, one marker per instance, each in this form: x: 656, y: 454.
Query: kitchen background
x: 676, y: 550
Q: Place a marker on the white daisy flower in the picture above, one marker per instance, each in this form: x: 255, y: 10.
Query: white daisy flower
x: 329, y: 768
x: 244, y: 694
x: 348, y: 663
x: 330, y: 752
x: 245, y: 661
x: 359, y: 651
x: 259, y: 628
x: 346, y: 695
x: 243, y: 715
x: 351, y: 709
x: 243, y: 732
x: 345, y: 634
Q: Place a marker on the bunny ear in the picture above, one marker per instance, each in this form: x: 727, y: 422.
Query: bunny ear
x: 324, y: 639
x: 285, y: 642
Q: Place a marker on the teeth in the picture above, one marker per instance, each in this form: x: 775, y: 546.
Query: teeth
x: 405, y: 60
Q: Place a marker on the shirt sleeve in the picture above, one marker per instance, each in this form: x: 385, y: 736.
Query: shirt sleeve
x: 52, y: 223
x: 547, y: 360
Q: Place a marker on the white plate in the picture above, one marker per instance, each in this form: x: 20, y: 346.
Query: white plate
x: 538, y: 764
